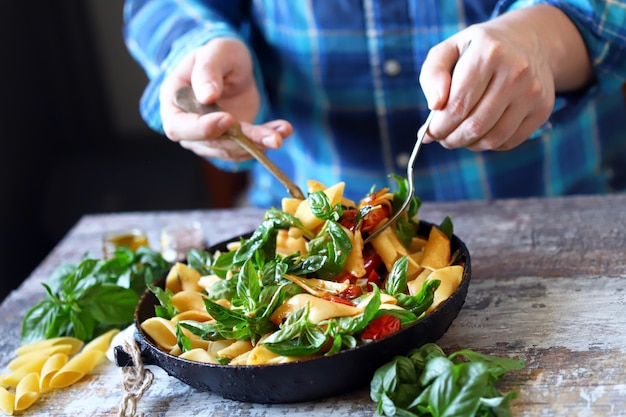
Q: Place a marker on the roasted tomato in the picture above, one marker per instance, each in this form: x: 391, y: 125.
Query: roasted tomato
x: 347, y: 219
x: 371, y: 219
x: 381, y: 327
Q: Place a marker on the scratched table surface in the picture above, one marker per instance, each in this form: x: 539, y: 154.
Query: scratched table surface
x: 548, y: 286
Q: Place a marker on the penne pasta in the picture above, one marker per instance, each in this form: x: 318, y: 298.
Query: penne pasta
x: 50, y: 368
x: 76, y: 368
x: 27, y: 391
x: 18, y: 374
x: 7, y: 401
x: 40, y: 353
x: 101, y: 342
x: 76, y: 344
x: 47, y: 364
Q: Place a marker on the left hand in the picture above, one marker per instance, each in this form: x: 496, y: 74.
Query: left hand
x: 503, y: 87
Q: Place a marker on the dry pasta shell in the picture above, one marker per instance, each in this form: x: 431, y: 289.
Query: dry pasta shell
x: 50, y: 368
x: 46, y: 343
x: 76, y: 368
x: 27, y: 391
x: 7, y: 401
x: 45, y: 352
x: 101, y: 342
x: 18, y: 374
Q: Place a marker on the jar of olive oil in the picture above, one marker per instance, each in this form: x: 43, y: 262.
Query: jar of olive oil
x: 132, y: 238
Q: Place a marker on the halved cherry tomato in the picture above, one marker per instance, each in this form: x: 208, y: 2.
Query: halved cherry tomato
x: 381, y: 327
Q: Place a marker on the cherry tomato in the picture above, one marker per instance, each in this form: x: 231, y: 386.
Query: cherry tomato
x: 337, y: 299
x: 347, y: 219
x: 381, y: 327
x: 371, y: 219
x: 373, y: 278
x: 353, y: 291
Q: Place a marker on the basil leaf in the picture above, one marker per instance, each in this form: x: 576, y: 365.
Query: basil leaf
x: 182, y: 341
x: 420, y: 302
x: 334, y: 245
x: 297, y: 336
x: 110, y: 304
x: 396, y: 281
x: 427, y: 383
x: 321, y: 207
x: 41, y: 321
x: 447, y: 227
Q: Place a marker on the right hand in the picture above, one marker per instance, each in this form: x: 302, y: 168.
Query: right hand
x: 219, y: 71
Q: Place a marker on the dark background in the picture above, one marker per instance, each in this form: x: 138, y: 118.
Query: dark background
x: 71, y: 138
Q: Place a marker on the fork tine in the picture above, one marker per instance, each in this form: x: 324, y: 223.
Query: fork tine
x: 421, y: 133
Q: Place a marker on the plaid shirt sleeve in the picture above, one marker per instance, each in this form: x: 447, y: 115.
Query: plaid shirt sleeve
x: 602, y: 25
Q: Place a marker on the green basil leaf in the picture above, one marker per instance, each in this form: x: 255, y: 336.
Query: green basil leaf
x: 183, y: 341
x: 447, y: 227
x: 42, y: 321
x: 321, y: 207
x: 83, y: 325
x: 110, y: 304
x: 396, y: 281
x: 497, y: 366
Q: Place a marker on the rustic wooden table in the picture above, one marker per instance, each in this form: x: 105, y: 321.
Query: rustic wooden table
x: 548, y: 286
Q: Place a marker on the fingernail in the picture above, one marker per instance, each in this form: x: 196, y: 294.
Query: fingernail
x: 270, y: 141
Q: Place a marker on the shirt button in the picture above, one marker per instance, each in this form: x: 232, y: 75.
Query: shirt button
x: 402, y: 159
x: 392, y: 67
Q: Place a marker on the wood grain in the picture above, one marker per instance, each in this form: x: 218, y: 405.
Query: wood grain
x: 548, y: 286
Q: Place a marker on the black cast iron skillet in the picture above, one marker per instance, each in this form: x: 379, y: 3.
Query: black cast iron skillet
x: 306, y: 380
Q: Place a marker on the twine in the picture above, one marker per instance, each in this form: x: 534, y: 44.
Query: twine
x: 135, y: 379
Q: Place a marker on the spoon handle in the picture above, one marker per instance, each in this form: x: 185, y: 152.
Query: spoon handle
x: 186, y: 100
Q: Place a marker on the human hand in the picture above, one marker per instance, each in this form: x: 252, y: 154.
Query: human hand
x: 503, y: 87
x: 219, y: 71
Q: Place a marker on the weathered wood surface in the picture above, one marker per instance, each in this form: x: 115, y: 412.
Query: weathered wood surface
x: 548, y: 286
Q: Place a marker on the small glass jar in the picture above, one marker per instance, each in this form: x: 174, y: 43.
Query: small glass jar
x: 178, y: 238
x: 132, y: 238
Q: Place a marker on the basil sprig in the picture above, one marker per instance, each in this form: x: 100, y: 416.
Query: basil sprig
x: 426, y: 382
x: 86, y: 299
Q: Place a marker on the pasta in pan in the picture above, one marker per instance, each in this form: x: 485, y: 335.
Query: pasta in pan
x: 305, y: 283
x: 48, y: 364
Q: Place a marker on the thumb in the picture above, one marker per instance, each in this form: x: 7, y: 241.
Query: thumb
x: 207, y: 74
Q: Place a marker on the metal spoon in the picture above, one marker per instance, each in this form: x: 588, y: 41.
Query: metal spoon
x: 186, y: 100
x: 409, y: 175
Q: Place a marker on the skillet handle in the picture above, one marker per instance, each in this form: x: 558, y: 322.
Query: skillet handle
x: 123, y: 358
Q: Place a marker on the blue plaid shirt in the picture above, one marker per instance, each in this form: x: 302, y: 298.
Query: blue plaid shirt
x: 345, y: 74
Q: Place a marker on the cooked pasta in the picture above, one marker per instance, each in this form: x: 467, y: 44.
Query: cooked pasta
x: 305, y: 283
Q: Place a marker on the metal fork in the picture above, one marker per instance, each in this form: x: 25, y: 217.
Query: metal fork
x: 409, y: 175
